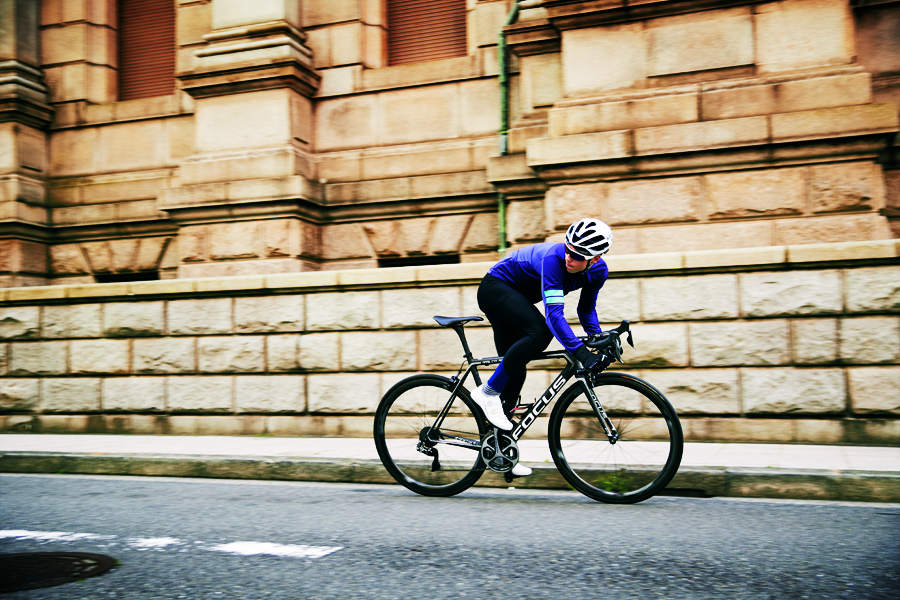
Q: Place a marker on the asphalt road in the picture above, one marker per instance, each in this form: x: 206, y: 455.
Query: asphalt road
x: 183, y: 538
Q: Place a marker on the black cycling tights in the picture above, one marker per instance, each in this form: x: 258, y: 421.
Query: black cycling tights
x: 520, y: 331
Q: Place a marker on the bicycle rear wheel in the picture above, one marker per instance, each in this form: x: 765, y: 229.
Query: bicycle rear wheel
x: 403, y: 428
x: 642, y: 461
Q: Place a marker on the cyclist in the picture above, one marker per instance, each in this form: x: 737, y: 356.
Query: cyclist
x: 508, y: 294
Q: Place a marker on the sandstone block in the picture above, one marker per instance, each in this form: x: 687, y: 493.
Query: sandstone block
x: 383, y: 236
x: 268, y: 313
x: 722, y: 343
x: 234, y: 240
x: 439, y: 349
x: 70, y: 395
x: 4, y: 359
x: 700, y: 391
x: 847, y: 120
x: 565, y: 204
x: 870, y: 340
x: 345, y: 310
x: 343, y: 393
x: 619, y: 48
x: 448, y: 232
x: 72, y: 321
x: 786, y: 391
x: 796, y: 35
x: 875, y: 390
x: 270, y: 394
x: 378, y: 351
x: 627, y: 114
x: 654, y: 201
x: 38, y: 358
x: 20, y: 322
x: 845, y: 228
x: 203, y: 394
x: 99, y: 356
x: 163, y: 355
x: 320, y: 352
x: 790, y: 293
x: 134, y: 394
x: 658, y: 345
x: 844, y: 186
x: 715, y: 236
x: 192, y: 243
x: 578, y: 148
x: 699, y: 297
x: 193, y: 317
x: 701, y: 136
x: 132, y: 319
x: 238, y: 354
x: 526, y: 221
x: 756, y: 193
x: 619, y: 299
x: 873, y: 289
x: 417, y: 307
x: 708, y: 40
x: 344, y: 241
x: 613, y: 398
x: 436, y: 116
x: 470, y: 302
x: 281, y: 353
x: 19, y: 394
x: 415, y: 235
x: 481, y: 237
x: 814, y: 340
x: 67, y: 259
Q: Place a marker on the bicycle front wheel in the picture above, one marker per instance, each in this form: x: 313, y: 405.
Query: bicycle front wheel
x: 407, y: 440
x: 646, y: 455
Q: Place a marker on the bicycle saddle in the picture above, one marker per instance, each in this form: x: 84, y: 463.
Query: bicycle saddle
x: 454, y: 321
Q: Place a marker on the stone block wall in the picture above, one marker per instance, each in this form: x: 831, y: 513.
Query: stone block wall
x: 787, y: 344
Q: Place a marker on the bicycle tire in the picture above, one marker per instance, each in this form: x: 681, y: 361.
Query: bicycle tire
x: 643, y: 460
x: 404, y: 412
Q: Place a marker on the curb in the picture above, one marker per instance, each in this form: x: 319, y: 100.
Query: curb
x: 799, y: 484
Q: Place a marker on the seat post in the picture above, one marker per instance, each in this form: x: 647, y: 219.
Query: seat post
x: 466, y: 352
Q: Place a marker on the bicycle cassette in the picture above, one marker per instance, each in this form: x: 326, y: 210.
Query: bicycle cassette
x: 500, y: 456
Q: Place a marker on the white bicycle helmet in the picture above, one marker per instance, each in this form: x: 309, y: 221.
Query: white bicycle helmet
x: 589, y: 237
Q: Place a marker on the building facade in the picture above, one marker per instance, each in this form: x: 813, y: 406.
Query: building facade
x: 145, y: 139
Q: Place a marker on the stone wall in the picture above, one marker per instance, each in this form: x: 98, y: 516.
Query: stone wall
x: 795, y: 343
x: 290, y: 144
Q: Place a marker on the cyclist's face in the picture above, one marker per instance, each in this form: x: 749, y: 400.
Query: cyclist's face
x: 575, y: 263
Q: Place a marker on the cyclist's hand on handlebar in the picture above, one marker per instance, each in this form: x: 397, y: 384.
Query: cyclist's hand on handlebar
x: 592, y: 362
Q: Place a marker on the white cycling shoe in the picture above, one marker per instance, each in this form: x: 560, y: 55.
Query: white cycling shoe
x: 493, y: 409
x: 521, y: 470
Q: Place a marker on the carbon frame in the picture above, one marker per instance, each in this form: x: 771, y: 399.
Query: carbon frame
x: 572, y: 368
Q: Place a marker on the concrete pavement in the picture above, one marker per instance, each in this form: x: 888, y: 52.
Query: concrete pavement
x: 715, y: 469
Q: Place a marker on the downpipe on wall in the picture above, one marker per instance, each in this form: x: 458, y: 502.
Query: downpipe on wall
x: 503, y: 57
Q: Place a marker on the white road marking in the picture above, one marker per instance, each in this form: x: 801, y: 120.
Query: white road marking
x: 147, y: 543
x: 51, y: 536
x: 293, y: 551
x: 169, y: 543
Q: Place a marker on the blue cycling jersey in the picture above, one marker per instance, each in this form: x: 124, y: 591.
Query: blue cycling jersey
x: 538, y: 272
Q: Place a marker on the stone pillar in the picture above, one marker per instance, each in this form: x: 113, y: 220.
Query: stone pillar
x: 24, y: 118
x: 245, y: 201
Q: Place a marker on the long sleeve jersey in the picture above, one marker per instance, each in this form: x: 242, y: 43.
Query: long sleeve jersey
x: 538, y: 272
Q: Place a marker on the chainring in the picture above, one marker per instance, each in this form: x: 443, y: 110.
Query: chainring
x: 506, y: 459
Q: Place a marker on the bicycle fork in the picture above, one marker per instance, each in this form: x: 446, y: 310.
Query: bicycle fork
x: 608, y: 428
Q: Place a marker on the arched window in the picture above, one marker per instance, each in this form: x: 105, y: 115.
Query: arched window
x: 146, y: 48
x: 420, y: 30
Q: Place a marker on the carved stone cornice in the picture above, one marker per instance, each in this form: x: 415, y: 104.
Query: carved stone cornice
x: 23, y: 95
x: 257, y: 57
x: 574, y: 14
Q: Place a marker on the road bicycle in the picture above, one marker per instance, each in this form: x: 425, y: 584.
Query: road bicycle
x: 613, y: 437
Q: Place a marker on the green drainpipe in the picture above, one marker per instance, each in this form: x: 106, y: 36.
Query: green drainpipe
x: 503, y: 56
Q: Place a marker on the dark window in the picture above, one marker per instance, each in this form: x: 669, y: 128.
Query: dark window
x: 124, y: 277
x: 146, y: 48
x: 419, y: 261
x: 420, y: 30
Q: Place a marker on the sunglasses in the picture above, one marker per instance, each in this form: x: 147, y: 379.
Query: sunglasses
x: 575, y: 255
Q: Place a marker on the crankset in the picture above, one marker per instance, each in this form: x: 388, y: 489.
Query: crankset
x: 499, y: 453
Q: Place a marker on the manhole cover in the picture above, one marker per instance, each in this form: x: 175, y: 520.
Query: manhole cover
x: 33, y: 570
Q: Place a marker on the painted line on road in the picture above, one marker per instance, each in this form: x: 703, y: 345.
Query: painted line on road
x: 162, y: 544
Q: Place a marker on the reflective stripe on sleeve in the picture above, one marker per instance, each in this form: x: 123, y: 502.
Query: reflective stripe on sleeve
x: 553, y: 296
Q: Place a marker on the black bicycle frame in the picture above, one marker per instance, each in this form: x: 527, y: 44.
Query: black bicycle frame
x: 572, y: 368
